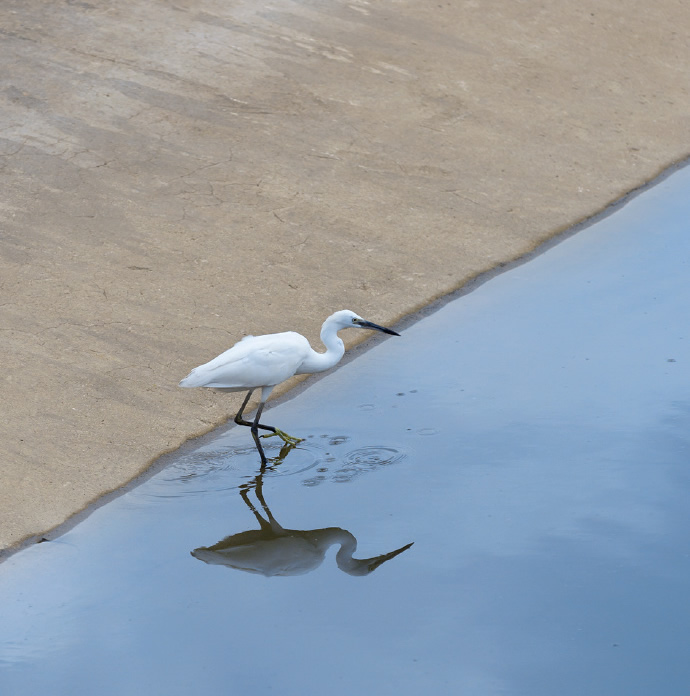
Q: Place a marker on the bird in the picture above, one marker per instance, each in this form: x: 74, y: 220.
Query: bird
x: 265, y: 361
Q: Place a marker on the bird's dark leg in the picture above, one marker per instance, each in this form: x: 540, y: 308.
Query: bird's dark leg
x: 238, y: 418
x: 284, y: 451
x: 259, y: 447
x: 287, y: 439
x: 255, y: 434
x: 240, y: 421
x: 257, y: 417
x: 290, y: 442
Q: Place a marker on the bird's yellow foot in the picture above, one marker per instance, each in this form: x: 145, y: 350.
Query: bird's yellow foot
x: 287, y: 439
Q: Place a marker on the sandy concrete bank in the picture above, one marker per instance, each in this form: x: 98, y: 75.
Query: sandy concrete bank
x: 177, y: 174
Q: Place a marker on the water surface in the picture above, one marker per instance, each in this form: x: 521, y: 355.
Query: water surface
x: 531, y: 438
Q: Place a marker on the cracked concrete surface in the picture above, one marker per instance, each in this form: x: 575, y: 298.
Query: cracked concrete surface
x: 176, y: 175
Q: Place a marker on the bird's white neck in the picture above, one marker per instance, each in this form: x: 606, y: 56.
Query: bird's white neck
x: 335, y: 349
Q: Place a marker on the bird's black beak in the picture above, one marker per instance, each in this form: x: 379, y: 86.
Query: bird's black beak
x: 370, y: 325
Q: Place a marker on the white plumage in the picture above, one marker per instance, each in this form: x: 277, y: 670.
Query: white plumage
x: 252, y: 362
x: 265, y: 361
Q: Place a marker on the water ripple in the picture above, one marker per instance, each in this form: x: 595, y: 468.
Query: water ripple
x: 358, y: 462
x: 227, y: 468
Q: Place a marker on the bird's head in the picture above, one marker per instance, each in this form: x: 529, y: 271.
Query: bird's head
x: 345, y: 319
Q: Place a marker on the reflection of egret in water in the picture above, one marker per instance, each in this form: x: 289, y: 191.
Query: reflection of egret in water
x: 274, y: 550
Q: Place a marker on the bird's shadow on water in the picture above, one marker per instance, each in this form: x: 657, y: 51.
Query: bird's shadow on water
x: 274, y: 550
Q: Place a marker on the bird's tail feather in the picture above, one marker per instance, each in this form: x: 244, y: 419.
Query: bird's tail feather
x: 193, y: 380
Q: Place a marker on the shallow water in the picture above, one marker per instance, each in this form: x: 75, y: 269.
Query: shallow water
x: 532, y: 439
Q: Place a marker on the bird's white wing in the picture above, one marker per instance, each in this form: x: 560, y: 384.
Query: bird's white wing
x: 255, y: 361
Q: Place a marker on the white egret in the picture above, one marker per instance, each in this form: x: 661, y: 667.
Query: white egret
x: 265, y: 361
